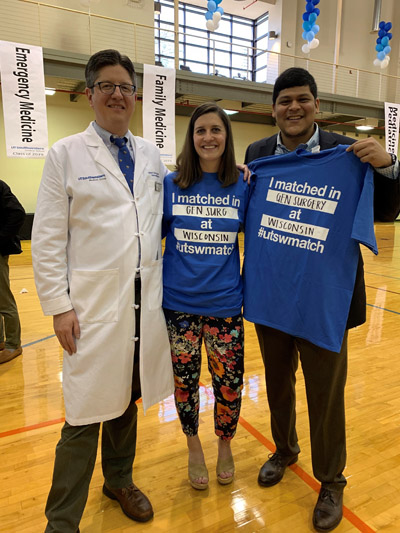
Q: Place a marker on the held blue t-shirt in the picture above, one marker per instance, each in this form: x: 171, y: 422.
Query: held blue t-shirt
x: 201, y: 267
x: 307, y: 215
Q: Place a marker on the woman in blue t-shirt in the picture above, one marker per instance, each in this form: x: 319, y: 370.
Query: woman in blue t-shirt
x: 204, y: 209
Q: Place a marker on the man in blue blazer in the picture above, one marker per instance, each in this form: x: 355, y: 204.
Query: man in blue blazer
x: 295, y: 104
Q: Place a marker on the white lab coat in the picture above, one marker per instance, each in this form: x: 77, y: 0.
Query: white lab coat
x: 85, y: 250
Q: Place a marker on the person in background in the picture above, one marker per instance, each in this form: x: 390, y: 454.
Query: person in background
x: 96, y: 248
x: 205, y: 202
x: 12, y: 216
x: 295, y: 105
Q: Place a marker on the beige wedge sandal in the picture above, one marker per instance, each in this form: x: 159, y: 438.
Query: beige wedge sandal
x: 225, y: 465
x: 195, y: 471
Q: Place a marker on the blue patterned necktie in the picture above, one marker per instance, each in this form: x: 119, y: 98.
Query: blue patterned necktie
x: 125, y: 160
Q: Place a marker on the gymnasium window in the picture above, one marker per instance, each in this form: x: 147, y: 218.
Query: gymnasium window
x: 232, y: 51
x: 260, y: 44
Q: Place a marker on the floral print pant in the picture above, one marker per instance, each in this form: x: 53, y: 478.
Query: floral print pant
x: 223, y: 340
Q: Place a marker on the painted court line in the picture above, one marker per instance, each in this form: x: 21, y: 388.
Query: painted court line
x: 32, y: 427
x: 384, y: 309
x: 380, y: 289
x: 39, y: 340
x: 310, y: 481
x: 381, y: 275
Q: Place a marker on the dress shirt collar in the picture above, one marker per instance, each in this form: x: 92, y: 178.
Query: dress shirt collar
x: 105, y: 136
x: 312, y: 145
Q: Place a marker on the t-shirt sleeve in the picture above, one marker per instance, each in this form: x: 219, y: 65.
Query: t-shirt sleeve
x: 363, y: 225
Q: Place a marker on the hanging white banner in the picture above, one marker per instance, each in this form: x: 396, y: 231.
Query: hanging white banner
x: 392, y: 123
x: 159, y: 110
x: 24, y: 102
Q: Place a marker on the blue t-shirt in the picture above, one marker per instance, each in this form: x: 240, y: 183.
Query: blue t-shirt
x: 308, y: 213
x: 201, y: 267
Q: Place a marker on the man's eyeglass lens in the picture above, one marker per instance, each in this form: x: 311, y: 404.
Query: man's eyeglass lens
x: 109, y: 88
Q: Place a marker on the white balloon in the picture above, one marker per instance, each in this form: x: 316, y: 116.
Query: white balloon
x: 314, y: 43
x: 216, y: 26
x: 216, y: 17
x: 305, y: 48
x: 210, y: 25
x: 388, y: 58
x: 384, y: 63
x: 377, y: 62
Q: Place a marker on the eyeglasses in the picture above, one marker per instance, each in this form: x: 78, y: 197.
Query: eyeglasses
x: 107, y: 87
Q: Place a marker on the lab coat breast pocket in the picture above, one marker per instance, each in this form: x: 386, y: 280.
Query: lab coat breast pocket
x: 95, y: 295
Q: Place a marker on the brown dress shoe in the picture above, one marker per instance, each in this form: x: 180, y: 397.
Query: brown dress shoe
x: 6, y: 355
x: 132, y: 501
x: 328, y: 511
x: 272, y: 471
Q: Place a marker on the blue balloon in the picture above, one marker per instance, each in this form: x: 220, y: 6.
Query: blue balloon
x: 378, y: 41
x: 387, y: 50
x: 305, y: 15
x: 381, y: 33
x: 315, y: 2
x: 385, y: 41
x: 316, y: 11
x: 309, y: 7
x: 315, y: 29
x: 212, y: 6
x: 379, y: 48
x: 217, y: 2
x: 389, y: 36
x: 381, y: 55
x: 220, y: 10
x: 304, y: 35
x: 310, y: 36
x: 388, y: 26
x: 306, y: 25
x: 208, y: 15
x: 312, y: 17
x: 382, y: 24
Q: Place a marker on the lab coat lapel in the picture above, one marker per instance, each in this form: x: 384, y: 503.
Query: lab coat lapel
x: 101, y: 154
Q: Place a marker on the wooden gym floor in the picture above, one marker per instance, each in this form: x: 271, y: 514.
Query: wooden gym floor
x: 31, y: 416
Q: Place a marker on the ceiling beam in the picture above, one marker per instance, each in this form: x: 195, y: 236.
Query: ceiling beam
x: 72, y: 66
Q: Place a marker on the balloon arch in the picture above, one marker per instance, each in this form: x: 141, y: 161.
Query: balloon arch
x: 310, y: 28
x: 382, y: 45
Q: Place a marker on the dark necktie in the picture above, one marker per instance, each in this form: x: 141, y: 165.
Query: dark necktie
x: 125, y: 160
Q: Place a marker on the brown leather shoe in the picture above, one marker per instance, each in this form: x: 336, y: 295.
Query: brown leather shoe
x: 7, y: 355
x: 272, y: 471
x: 328, y: 511
x: 2, y: 346
x: 132, y: 501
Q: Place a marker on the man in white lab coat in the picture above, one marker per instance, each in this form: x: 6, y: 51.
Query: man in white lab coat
x: 96, y: 248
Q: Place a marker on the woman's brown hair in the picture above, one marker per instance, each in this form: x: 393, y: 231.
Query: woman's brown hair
x: 188, y: 165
